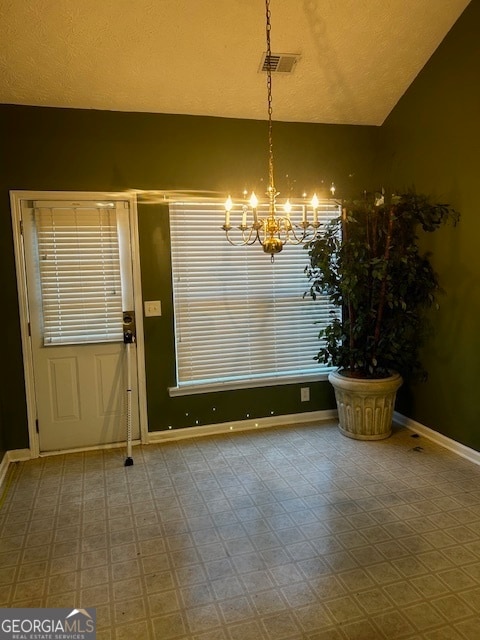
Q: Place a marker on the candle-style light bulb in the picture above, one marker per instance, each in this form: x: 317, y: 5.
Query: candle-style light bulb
x: 253, y: 203
x: 315, y: 203
x: 332, y: 189
x: 228, y: 206
x: 287, y: 207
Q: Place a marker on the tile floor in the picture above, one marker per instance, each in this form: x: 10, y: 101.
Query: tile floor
x: 284, y: 533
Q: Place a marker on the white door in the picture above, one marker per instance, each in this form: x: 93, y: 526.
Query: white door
x: 79, y: 283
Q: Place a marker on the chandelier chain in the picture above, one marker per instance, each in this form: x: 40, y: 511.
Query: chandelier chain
x: 273, y: 229
x: 271, y: 182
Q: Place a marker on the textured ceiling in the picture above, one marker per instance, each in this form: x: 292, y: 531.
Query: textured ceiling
x: 202, y: 56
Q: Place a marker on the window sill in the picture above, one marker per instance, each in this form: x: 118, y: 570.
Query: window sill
x: 234, y: 385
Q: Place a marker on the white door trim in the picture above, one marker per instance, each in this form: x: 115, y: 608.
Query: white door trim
x: 16, y: 198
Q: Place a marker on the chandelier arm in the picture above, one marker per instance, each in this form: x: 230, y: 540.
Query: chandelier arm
x: 298, y: 237
x: 246, y: 239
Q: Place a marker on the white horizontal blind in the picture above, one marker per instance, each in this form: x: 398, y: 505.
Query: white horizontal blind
x: 79, y: 274
x: 237, y: 315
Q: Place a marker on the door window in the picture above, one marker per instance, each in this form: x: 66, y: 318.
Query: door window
x: 79, y: 273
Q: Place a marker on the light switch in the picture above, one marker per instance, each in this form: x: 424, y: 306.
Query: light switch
x: 152, y: 308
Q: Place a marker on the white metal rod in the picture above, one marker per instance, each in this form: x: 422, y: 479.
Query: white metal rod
x: 129, y: 402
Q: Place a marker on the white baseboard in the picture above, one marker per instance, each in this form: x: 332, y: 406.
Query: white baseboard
x: 242, y: 425
x: 11, y: 456
x: 438, y: 438
x: 311, y: 417
x: 308, y: 418
x: 4, y: 468
x: 18, y: 455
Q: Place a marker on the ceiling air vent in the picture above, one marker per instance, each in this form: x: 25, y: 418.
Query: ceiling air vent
x: 279, y: 62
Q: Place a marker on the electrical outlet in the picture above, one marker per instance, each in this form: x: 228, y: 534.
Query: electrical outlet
x: 152, y: 308
x: 305, y: 394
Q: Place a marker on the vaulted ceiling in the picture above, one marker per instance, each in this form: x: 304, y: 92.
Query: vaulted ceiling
x: 202, y: 57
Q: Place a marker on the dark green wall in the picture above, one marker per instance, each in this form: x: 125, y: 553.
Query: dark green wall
x: 62, y: 149
x: 2, y: 443
x: 432, y: 142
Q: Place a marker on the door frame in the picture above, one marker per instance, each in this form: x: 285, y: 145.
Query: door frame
x: 16, y: 198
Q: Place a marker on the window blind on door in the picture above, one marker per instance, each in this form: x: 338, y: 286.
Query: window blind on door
x: 237, y: 315
x: 79, y: 271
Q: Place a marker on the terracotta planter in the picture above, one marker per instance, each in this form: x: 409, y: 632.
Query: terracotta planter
x: 365, y: 407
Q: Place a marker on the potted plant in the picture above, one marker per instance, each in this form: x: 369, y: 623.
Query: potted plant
x: 368, y: 262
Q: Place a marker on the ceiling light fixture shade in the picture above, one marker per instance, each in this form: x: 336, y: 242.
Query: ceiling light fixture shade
x: 261, y: 222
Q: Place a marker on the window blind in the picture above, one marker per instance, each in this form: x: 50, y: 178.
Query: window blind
x: 80, y: 278
x: 238, y: 316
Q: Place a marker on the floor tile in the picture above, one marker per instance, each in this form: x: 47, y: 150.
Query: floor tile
x: 287, y: 533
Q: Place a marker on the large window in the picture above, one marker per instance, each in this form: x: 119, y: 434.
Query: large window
x: 239, y: 319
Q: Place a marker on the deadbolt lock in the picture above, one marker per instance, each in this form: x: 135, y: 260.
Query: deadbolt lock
x: 129, y: 329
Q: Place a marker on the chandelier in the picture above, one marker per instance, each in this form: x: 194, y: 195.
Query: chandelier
x: 267, y: 225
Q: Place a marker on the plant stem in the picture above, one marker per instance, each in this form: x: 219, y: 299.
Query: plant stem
x: 383, y: 287
x: 347, y: 303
